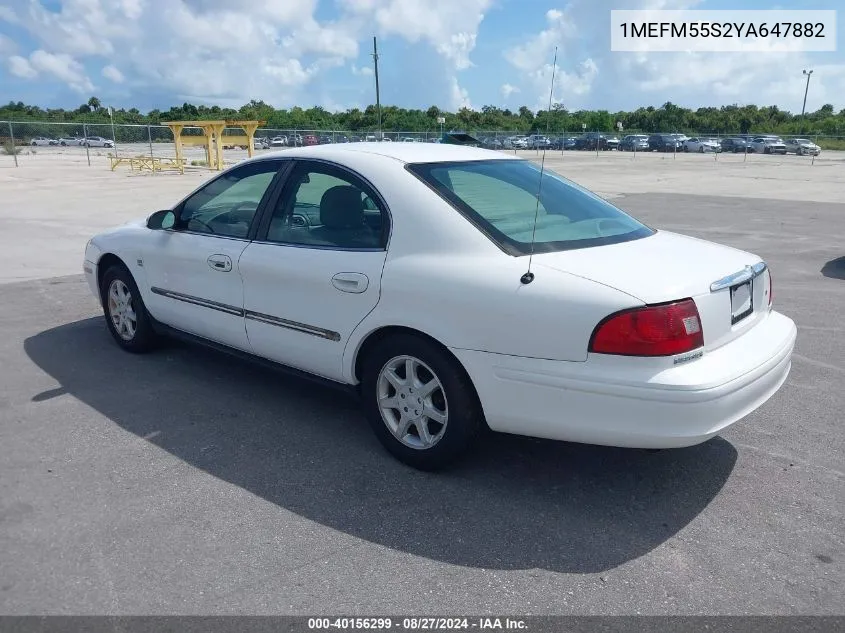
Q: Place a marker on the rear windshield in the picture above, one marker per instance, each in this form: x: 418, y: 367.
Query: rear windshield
x: 500, y: 198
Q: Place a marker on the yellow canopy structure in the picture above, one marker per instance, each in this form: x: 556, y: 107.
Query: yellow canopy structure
x: 212, y: 137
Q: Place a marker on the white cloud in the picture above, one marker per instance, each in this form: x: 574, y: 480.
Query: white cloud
x: 7, y: 46
x: 62, y: 67
x: 539, y: 50
x: 59, y: 66
x: 449, y: 26
x: 20, y: 67
x: 459, y: 96
x: 508, y: 90
x: 112, y: 73
x: 8, y: 14
x: 363, y: 70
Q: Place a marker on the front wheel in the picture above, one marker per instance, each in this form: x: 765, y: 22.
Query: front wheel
x: 126, y: 316
x: 420, y: 402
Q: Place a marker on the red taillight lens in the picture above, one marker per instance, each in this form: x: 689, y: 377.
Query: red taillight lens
x: 661, y: 330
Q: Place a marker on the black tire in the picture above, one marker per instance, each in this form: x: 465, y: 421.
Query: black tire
x: 144, y: 338
x: 465, y: 417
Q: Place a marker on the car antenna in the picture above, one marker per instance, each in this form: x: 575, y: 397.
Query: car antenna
x: 528, y: 277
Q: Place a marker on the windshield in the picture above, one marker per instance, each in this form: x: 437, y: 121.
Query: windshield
x: 500, y: 198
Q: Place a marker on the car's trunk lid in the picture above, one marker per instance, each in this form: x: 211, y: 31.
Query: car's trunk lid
x: 666, y: 267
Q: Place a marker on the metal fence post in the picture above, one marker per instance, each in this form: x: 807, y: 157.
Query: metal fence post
x: 150, y: 139
x: 14, y: 147
x: 85, y: 139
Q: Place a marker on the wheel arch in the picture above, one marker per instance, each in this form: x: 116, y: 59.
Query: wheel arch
x: 379, y: 334
x: 106, y: 261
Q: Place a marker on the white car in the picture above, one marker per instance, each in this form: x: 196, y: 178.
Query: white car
x: 802, y: 147
x: 42, y: 141
x: 701, y: 145
x: 404, y: 272
x: 97, y: 141
x: 70, y: 140
x: 278, y: 141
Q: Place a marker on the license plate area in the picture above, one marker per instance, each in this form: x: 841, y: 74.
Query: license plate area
x: 742, y: 301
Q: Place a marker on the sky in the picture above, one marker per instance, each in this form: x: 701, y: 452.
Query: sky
x: 449, y: 53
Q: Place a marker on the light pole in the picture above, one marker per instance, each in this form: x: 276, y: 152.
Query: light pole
x: 806, y: 89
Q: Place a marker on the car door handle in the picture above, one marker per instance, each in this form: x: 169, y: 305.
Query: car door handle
x: 220, y: 263
x: 351, y: 282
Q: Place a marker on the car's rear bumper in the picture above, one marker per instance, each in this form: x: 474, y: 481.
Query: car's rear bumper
x: 622, y: 401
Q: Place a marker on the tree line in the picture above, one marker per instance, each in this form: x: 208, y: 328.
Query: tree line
x: 728, y: 119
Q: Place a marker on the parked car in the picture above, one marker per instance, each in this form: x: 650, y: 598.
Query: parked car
x: 568, y: 143
x: 310, y: 139
x: 519, y: 142
x: 42, y: 141
x: 634, y: 143
x: 734, y: 144
x: 767, y: 145
x: 70, y: 140
x: 702, y: 144
x: 665, y: 143
x: 295, y: 140
x: 539, y: 141
x: 593, y: 141
x: 260, y: 143
x: 98, y: 141
x: 652, y: 355
x: 802, y: 147
x: 278, y: 141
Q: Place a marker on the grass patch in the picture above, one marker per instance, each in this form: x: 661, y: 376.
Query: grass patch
x: 10, y: 149
x: 199, y: 163
x: 832, y: 143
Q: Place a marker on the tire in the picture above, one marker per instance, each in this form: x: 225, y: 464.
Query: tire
x: 701, y: 149
x: 115, y: 282
x: 453, y: 395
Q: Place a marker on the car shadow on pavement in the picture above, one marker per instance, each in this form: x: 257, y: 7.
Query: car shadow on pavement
x: 514, y: 503
x: 835, y: 268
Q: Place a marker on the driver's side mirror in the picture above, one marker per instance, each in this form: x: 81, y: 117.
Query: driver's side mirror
x: 161, y: 220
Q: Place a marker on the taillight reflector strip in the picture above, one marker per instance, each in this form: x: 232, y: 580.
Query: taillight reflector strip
x: 657, y: 330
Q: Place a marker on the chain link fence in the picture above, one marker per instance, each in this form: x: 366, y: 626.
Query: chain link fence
x: 90, y: 143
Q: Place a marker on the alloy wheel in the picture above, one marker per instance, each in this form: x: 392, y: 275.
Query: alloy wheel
x: 121, y: 312
x: 412, y: 402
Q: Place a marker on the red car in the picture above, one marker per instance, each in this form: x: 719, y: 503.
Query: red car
x: 309, y: 139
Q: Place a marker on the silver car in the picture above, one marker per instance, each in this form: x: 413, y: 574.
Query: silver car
x: 767, y: 145
x: 802, y: 147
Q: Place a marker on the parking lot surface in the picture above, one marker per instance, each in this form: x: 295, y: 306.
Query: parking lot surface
x: 185, y: 482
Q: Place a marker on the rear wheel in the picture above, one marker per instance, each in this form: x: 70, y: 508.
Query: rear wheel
x: 419, y: 401
x: 126, y: 316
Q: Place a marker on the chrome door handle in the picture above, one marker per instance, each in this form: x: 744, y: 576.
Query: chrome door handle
x: 220, y: 263
x: 351, y: 282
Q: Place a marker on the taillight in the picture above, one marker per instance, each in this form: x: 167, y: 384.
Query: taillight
x: 658, y: 330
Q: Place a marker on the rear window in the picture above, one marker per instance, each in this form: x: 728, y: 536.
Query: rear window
x: 500, y: 198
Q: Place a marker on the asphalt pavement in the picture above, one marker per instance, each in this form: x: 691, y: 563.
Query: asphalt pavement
x: 186, y: 482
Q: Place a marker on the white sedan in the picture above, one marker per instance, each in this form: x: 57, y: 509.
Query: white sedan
x: 701, y: 145
x: 42, y: 141
x: 97, y: 141
x: 405, y: 272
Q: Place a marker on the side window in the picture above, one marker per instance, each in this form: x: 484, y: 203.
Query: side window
x: 227, y: 205
x: 328, y: 207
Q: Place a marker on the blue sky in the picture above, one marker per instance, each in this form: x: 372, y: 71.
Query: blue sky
x: 450, y: 53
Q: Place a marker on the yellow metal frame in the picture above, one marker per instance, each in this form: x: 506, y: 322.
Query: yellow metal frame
x: 213, y: 138
x: 151, y: 163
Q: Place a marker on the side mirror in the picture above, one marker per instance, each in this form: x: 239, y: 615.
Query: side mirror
x: 161, y: 220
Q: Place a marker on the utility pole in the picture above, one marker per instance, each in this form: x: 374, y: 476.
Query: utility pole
x: 378, y: 97
x: 806, y: 89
